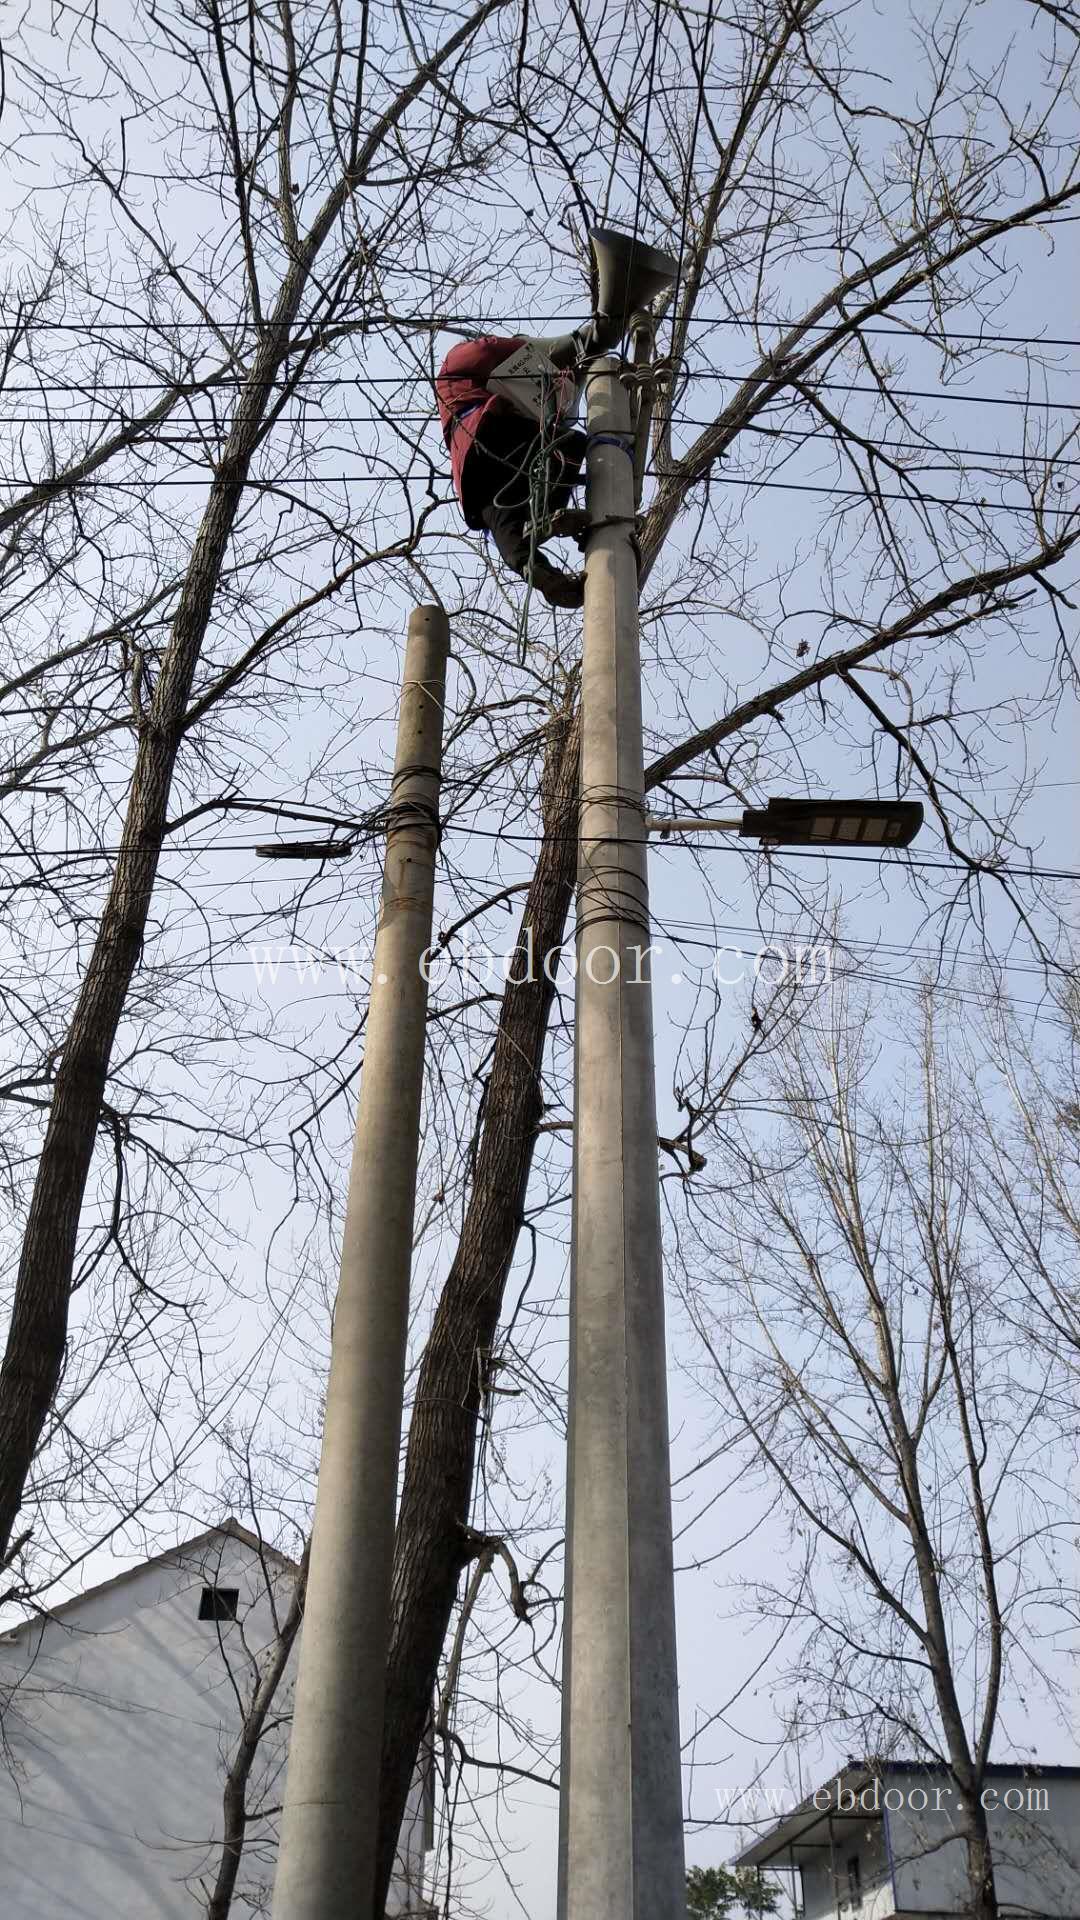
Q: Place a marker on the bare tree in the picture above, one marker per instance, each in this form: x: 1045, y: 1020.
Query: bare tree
x: 845, y: 247
x: 1025, y: 1121
x: 865, y: 1348
x: 298, y: 161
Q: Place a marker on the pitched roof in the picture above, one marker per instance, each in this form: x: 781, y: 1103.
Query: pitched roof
x: 225, y: 1529
x: 795, y: 1828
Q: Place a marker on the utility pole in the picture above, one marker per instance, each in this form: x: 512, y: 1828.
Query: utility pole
x: 326, y: 1864
x: 621, y: 1839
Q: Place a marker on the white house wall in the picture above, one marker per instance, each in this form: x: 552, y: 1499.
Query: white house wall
x: 1036, y: 1849
x: 118, y: 1719
x: 825, y: 1876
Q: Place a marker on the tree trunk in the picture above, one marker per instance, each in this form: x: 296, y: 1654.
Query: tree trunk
x: 431, y: 1546
x: 234, y: 1799
x: 34, y: 1356
x: 984, y: 1904
x: 966, y: 1772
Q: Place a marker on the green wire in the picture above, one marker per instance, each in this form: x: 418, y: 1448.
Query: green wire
x: 539, y: 507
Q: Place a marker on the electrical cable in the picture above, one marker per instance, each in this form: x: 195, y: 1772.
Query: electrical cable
x: 304, y: 960
x: 795, y: 435
x: 800, y: 437
x: 285, y: 484
x: 542, y: 320
x: 310, y: 962
x: 661, y: 923
x: 349, y: 834
x: 897, y: 949
x: 891, y: 856
x: 86, y: 389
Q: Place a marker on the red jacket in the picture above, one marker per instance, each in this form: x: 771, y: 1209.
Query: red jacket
x: 462, y: 395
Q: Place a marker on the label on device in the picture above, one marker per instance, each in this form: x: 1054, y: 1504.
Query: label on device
x: 533, y: 385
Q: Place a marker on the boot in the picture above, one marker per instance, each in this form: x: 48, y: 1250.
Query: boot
x: 570, y: 523
x: 559, y: 589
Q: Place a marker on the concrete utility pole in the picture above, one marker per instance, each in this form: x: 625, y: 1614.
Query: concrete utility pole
x: 326, y: 1864
x: 621, y: 1839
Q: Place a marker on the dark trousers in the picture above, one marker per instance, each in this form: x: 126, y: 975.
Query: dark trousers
x: 497, y: 482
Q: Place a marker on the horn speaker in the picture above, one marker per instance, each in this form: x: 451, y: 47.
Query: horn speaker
x: 629, y: 276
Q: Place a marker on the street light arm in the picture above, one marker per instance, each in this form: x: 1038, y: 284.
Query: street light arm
x: 677, y: 823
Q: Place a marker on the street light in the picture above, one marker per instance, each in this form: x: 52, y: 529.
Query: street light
x: 808, y: 823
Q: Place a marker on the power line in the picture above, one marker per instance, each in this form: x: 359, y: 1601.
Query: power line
x: 196, y: 389
x: 886, y: 445
x: 665, y: 922
x: 833, y: 856
x: 925, y: 393
x: 448, y: 321
x: 286, y: 483
x: 314, y: 963
x: 302, y: 961
x: 353, y: 831
x: 848, y: 859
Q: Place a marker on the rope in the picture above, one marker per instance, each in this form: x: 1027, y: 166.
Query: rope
x: 540, y: 485
x: 539, y: 497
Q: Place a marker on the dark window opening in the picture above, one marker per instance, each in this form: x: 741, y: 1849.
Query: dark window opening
x: 854, y: 1881
x: 218, y: 1603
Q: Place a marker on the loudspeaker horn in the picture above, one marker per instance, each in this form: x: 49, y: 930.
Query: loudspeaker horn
x: 629, y: 276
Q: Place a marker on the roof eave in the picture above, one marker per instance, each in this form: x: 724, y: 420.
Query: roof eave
x: 228, y: 1528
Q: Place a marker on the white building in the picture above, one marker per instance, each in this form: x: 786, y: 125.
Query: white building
x: 119, y: 1715
x: 885, y: 1841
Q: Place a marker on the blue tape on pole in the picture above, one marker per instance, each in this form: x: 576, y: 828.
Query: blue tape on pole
x: 623, y: 440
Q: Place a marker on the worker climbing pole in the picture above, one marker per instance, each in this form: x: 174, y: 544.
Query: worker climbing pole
x: 507, y: 411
